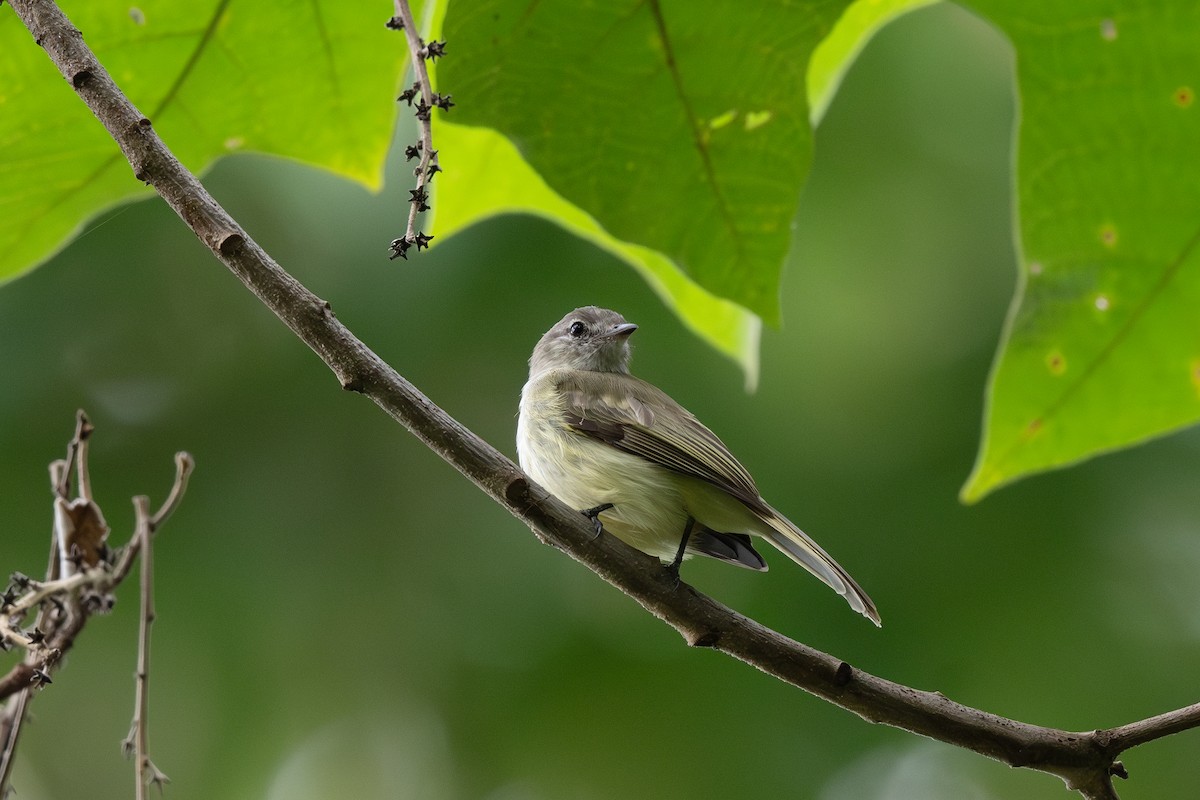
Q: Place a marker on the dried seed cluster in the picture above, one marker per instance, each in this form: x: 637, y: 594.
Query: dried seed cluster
x: 422, y: 100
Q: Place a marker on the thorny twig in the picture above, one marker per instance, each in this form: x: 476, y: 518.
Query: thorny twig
x: 80, y: 578
x: 426, y: 100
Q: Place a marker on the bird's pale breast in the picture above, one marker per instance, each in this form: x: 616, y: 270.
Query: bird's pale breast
x: 648, y: 511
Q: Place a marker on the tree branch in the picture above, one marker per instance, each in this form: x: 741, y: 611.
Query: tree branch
x: 1117, y: 740
x: 1085, y: 761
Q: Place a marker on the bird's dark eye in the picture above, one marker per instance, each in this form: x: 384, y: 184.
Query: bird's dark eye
x: 577, y: 329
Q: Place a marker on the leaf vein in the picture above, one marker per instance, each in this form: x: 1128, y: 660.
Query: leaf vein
x: 697, y: 135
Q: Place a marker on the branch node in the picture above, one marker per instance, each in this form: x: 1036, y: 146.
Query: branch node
x: 433, y: 50
x: 156, y: 776
x: 516, y: 493
x: 843, y: 675
x: 398, y: 249
x: 231, y: 243
x: 79, y: 79
x: 83, y: 426
x: 1117, y: 769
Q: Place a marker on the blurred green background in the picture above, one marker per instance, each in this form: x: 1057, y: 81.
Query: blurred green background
x: 341, y: 614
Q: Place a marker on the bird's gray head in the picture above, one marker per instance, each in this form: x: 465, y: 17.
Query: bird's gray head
x: 589, y: 338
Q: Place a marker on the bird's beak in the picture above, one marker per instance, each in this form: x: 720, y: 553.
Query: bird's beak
x: 624, y: 329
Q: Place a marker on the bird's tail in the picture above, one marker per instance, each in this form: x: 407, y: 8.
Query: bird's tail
x: 797, y: 545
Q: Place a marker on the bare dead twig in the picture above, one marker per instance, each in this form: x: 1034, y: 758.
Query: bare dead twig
x: 1085, y: 761
x: 80, y: 578
x: 184, y: 464
x: 10, y: 726
x: 147, y: 774
x: 76, y: 453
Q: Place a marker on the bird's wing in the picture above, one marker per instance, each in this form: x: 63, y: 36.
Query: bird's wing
x: 632, y: 415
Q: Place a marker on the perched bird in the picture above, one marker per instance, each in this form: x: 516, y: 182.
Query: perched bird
x: 638, y: 463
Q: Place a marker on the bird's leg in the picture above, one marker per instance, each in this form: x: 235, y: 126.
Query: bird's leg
x: 594, y: 515
x: 673, y: 567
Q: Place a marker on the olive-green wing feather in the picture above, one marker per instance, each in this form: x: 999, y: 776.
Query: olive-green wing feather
x: 641, y: 419
x: 634, y: 416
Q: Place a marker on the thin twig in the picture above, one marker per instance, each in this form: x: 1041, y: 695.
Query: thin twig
x: 83, y: 432
x: 60, y: 485
x: 421, y: 76
x: 184, y: 464
x: 145, y: 771
x: 16, y: 679
x: 61, y: 481
x: 1080, y: 759
x: 40, y: 590
x: 427, y: 163
x: 80, y: 530
x: 40, y: 656
x: 14, y: 713
x: 1133, y: 734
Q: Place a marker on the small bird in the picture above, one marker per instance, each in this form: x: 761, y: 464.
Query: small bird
x: 640, y: 466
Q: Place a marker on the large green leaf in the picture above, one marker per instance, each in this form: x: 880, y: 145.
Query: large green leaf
x: 1102, y: 347
x: 313, y: 81
x: 679, y: 125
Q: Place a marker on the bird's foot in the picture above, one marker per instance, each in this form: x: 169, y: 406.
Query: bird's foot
x: 672, y: 571
x: 594, y: 515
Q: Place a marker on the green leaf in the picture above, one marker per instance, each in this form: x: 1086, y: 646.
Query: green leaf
x: 489, y: 177
x: 312, y: 81
x: 679, y: 126
x: 1102, y: 347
